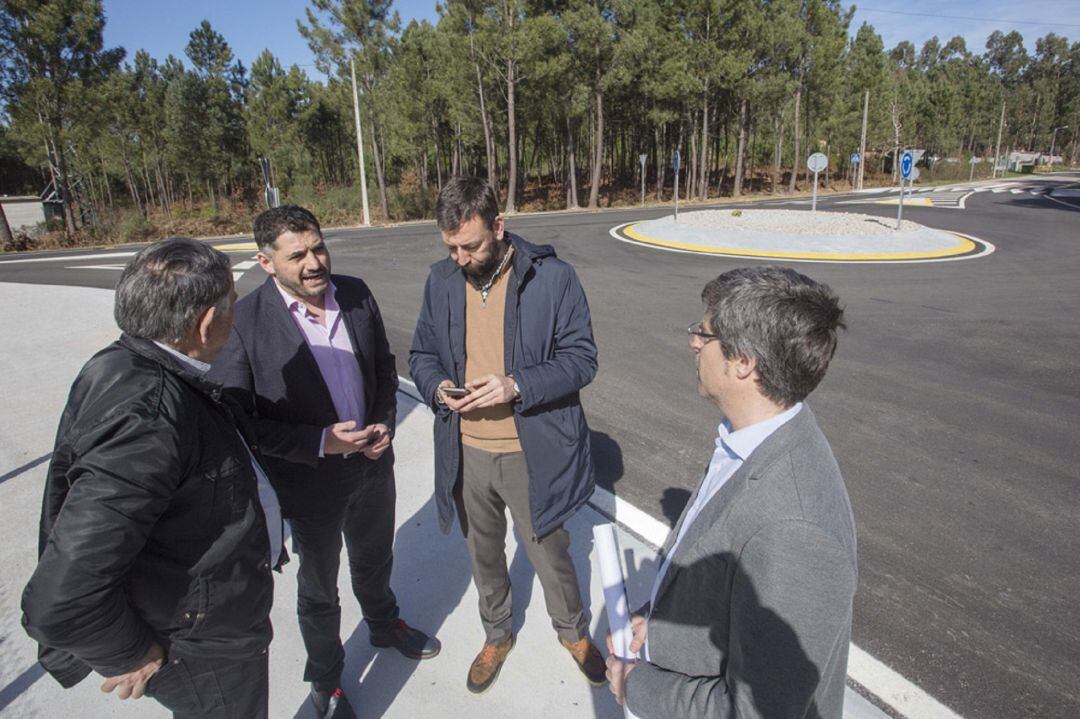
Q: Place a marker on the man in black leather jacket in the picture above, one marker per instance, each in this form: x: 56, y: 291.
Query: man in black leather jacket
x: 158, y: 530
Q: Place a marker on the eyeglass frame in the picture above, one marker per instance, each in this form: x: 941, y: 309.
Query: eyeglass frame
x: 697, y: 329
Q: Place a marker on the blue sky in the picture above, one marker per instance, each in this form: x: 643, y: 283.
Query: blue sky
x: 250, y: 26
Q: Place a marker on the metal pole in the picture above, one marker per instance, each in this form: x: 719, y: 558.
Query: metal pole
x: 900, y: 211
x: 359, y: 143
x: 676, y: 195
x: 642, y: 158
x: 813, y: 206
x: 997, y: 151
x: 971, y: 175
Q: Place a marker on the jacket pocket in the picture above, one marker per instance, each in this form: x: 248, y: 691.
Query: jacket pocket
x: 220, y: 495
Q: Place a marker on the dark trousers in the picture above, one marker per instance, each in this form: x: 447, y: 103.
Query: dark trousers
x: 366, y: 519
x: 212, y: 688
x: 491, y: 483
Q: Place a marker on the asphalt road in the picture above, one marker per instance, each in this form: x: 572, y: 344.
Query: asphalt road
x: 952, y: 406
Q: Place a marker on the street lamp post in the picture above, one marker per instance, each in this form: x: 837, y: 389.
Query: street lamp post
x: 1053, y: 139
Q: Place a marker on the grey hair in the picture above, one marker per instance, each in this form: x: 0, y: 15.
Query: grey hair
x: 167, y: 285
x: 783, y: 320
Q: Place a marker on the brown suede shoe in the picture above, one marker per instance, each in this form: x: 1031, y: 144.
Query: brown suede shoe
x: 588, y: 659
x: 485, y: 668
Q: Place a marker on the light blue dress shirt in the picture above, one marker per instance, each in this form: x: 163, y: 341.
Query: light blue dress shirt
x: 732, y: 449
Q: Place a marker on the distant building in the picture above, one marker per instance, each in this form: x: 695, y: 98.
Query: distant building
x: 23, y: 211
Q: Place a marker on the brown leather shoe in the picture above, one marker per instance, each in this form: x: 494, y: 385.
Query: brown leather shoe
x: 485, y: 668
x: 588, y: 659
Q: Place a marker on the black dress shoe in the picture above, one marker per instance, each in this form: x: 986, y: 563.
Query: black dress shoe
x: 413, y: 643
x: 331, y: 704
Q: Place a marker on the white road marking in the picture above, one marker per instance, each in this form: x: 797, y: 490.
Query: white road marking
x: 70, y: 258
x: 95, y: 267
x: 893, y: 689
x: 997, y: 190
x: 1015, y: 192
x: 245, y: 265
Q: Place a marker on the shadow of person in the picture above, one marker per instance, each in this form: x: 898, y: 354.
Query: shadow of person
x: 607, y: 459
x: 765, y: 670
x: 672, y: 503
x: 431, y: 575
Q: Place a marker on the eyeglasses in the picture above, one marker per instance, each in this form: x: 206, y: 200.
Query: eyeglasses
x: 697, y: 329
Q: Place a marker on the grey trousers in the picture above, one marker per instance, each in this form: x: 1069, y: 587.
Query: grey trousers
x: 490, y: 484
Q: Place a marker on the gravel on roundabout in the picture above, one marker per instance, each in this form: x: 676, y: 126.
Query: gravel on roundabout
x: 796, y: 234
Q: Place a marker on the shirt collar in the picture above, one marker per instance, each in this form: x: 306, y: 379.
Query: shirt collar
x: 329, y: 301
x: 198, y: 365
x: 741, y: 444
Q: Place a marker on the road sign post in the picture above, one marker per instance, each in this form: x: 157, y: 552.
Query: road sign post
x: 676, y: 185
x: 641, y: 159
x: 907, y: 166
x: 856, y: 160
x: 973, y: 161
x: 816, y: 163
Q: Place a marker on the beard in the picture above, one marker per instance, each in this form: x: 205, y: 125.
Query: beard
x: 483, y: 271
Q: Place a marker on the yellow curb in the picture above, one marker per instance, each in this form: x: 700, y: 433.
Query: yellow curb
x: 962, y: 248
x: 237, y: 246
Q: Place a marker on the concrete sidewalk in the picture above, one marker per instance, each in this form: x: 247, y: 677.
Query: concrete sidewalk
x: 431, y: 572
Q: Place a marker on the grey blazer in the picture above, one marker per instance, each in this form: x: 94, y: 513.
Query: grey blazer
x: 753, y: 617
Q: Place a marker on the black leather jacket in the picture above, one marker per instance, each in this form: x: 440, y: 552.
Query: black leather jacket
x: 151, y: 527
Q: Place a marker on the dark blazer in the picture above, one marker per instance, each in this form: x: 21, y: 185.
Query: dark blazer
x: 269, y: 369
x: 548, y: 348
x: 753, y: 617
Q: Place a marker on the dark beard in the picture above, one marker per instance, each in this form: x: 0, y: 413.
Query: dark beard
x: 481, y: 273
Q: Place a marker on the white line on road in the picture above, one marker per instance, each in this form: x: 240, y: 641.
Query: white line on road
x: 893, y: 689
x: 94, y: 267
x: 1015, y: 192
x: 246, y: 265
x: 997, y: 190
x: 69, y: 258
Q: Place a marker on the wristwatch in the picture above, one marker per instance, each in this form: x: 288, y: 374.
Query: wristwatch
x: 517, y: 389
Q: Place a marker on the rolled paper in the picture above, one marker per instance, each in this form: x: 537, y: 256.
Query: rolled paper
x: 606, y: 544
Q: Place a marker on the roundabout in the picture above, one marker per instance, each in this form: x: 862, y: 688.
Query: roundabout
x: 799, y: 236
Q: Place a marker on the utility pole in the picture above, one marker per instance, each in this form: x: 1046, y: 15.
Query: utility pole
x: 862, y: 141
x: 997, y: 151
x: 359, y: 143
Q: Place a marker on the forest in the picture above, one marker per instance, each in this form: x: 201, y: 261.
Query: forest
x: 558, y: 103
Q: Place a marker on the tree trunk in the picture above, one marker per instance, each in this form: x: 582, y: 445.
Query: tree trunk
x: 778, y: 123
x: 741, y: 149
x: 862, y: 140
x: 571, y: 186
x: 703, y: 186
x: 6, y: 239
x: 377, y: 155
x: 795, y: 137
x: 64, y: 187
x: 598, y: 156
x: 511, y: 141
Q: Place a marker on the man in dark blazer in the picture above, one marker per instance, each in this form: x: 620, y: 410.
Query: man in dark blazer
x: 750, y: 614
x: 309, y: 360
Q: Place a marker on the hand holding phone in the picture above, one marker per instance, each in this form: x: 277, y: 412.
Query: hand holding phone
x: 455, y: 392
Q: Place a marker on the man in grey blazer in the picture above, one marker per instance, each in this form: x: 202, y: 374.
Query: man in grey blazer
x: 750, y: 614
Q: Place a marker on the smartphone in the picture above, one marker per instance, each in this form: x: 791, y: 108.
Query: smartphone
x: 454, y: 391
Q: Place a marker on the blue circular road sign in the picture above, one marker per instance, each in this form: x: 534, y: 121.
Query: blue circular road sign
x: 907, y: 162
